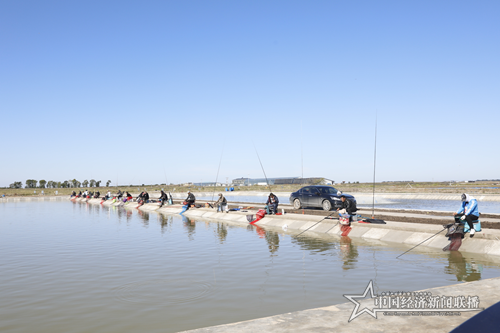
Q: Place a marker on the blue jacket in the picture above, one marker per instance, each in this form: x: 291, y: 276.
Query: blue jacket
x: 470, y: 208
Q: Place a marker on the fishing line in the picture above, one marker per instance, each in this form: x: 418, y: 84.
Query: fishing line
x: 217, y: 177
x: 332, y: 227
x: 261, y: 166
x: 319, y: 222
x: 166, y: 186
x: 374, y: 164
x: 421, y: 242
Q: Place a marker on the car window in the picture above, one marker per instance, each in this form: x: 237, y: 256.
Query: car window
x: 306, y: 190
x: 314, y: 191
x: 329, y: 190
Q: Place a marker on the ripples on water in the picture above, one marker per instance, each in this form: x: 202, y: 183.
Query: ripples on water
x: 71, y: 267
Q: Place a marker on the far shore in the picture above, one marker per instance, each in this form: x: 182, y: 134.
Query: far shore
x: 488, y: 189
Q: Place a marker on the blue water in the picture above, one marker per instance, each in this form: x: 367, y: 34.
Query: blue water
x: 75, y: 267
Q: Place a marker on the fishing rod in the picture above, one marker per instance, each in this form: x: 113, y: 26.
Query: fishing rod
x: 324, y: 218
x: 267, y: 181
x: 166, y: 186
x: 217, y: 177
x: 421, y: 243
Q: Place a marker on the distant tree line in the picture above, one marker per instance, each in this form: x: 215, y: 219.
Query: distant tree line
x: 32, y: 183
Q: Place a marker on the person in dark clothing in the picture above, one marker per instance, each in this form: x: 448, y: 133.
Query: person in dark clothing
x: 120, y: 195
x: 97, y: 194
x: 128, y: 197
x: 143, y: 198
x: 73, y: 194
x: 139, y: 197
x: 191, y: 199
x: 347, y: 207
x: 163, y: 198
x: 272, y: 204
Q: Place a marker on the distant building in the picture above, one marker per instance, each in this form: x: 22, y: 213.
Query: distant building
x: 282, y: 181
x: 209, y: 184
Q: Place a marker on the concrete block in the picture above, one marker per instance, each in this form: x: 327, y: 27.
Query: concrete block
x: 322, y: 227
x: 417, y: 237
x: 375, y: 233
x: 476, y: 245
x: 295, y: 224
x: 437, y: 241
x: 306, y: 225
x: 358, y: 231
x: 335, y: 230
x: 397, y: 236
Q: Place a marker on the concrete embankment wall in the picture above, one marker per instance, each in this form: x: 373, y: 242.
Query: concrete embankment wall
x: 486, y: 242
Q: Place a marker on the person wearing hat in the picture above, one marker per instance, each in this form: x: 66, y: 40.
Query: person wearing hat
x: 272, y: 204
x: 221, y: 204
x: 190, y: 200
x: 468, y: 212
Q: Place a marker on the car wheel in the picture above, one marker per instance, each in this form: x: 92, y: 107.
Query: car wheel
x: 297, y: 204
x: 326, y: 205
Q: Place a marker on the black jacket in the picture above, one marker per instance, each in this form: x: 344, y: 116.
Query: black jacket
x: 191, y: 198
x: 348, y: 206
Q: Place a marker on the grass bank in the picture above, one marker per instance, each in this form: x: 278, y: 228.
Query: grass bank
x: 486, y: 187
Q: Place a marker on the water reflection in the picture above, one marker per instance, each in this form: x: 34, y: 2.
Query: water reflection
x: 348, y: 253
x: 165, y: 221
x: 144, y: 215
x: 464, y: 270
x: 190, y: 226
x: 314, y: 245
x: 273, y: 241
x: 221, y: 232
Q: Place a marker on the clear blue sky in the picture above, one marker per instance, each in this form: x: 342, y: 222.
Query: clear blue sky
x: 133, y: 90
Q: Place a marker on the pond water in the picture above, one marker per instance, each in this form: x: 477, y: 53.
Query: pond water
x: 74, y: 267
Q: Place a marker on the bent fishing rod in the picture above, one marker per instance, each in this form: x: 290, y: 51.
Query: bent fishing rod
x: 217, y: 177
x: 166, y: 185
x: 267, y: 181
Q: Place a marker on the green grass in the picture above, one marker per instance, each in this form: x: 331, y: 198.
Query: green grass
x: 393, y: 187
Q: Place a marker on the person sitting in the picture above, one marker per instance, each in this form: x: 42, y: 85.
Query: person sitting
x: 97, y: 194
x: 73, y: 194
x: 120, y: 195
x: 221, y: 204
x: 348, y: 207
x: 128, y: 197
x: 163, y: 198
x: 272, y: 204
x: 468, y: 211
x: 143, y: 198
x: 190, y: 200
